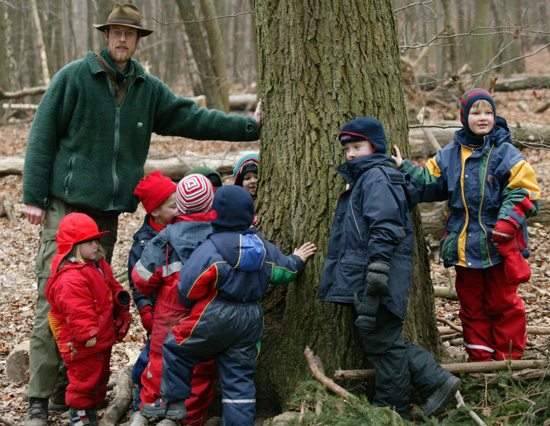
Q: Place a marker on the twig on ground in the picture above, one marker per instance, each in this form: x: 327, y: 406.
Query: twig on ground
x: 473, y: 415
x: 317, y: 369
x: 450, y: 324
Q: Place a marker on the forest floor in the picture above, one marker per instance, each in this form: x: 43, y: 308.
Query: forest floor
x: 20, y: 242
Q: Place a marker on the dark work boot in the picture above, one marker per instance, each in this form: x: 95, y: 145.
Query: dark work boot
x: 436, y: 403
x: 37, y: 414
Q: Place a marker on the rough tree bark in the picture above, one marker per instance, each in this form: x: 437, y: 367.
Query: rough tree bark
x: 320, y: 67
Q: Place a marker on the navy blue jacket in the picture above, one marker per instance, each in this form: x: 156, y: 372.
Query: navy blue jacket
x: 237, y: 266
x: 372, y: 222
x: 145, y: 234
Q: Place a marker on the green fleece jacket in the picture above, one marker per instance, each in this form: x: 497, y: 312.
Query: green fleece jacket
x: 88, y: 152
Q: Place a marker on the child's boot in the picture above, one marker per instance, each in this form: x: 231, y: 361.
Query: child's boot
x: 83, y: 417
x: 162, y: 409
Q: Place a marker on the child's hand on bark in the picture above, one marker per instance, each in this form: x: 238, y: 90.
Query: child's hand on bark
x: 306, y: 251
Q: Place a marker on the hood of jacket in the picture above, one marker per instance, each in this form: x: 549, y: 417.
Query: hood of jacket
x: 185, y: 230
x: 351, y: 170
x: 243, y: 251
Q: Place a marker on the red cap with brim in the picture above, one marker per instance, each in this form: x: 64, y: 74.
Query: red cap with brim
x: 73, y: 229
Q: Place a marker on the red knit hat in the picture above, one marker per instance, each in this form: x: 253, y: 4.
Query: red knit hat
x: 73, y: 229
x: 195, y: 194
x: 153, y: 190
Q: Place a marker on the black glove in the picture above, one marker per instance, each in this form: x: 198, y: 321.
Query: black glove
x: 366, y: 311
x: 377, y: 278
x: 376, y: 285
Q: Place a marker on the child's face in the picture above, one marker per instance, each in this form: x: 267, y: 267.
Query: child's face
x: 481, y: 119
x: 88, y: 250
x: 358, y: 149
x: 250, y: 181
x: 164, y: 213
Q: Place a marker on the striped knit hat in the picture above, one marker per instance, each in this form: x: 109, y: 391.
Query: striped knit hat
x: 468, y: 100
x: 195, y: 194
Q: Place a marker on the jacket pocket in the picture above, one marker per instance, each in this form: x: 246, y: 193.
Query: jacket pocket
x: 448, y: 242
x: 353, y: 270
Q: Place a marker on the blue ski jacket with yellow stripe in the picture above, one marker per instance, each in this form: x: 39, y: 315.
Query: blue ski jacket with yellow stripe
x: 482, y: 185
x: 236, y: 266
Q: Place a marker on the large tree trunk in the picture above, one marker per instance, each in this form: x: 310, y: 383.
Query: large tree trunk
x: 319, y: 68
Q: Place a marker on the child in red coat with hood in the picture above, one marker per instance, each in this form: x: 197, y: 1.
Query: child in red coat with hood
x: 157, y: 273
x: 89, y: 312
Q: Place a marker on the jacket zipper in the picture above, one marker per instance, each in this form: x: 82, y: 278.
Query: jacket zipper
x: 69, y: 175
x: 355, y: 221
x: 117, y: 137
x: 481, y: 205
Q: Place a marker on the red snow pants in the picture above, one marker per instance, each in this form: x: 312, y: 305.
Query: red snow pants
x: 492, y: 314
x: 88, y: 378
x: 202, y: 393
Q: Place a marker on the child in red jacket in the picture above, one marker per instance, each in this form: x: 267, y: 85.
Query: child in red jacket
x: 89, y: 312
x: 157, y: 273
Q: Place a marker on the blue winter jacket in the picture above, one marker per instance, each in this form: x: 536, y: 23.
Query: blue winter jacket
x: 372, y: 222
x: 145, y: 234
x: 483, y: 185
x: 236, y: 267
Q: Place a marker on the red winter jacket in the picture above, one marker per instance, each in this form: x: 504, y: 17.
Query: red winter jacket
x: 81, y: 299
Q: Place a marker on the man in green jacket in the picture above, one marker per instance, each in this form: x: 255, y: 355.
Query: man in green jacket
x: 86, y: 153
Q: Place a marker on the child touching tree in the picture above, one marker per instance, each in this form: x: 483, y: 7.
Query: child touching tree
x: 221, y: 285
x: 89, y: 312
x: 370, y: 263
x: 491, y: 190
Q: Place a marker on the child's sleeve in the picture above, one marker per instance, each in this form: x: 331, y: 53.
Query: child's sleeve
x: 76, y: 302
x: 385, y: 213
x: 428, y: 179
x: 147, y: 274
x: 197, y: 277
x: 284, y: 269
x: 139, y: 298
x: 521, y: 194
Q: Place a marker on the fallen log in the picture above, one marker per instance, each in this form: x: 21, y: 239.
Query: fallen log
x: 455, y: 368
x: 174, y: 167
x: 123, y: 397
x: 429, y: 82
x: 24, y: 92
x: 523, y: 82
x: 422, y: 148
x: 246, y: 102
x: 20, y: 107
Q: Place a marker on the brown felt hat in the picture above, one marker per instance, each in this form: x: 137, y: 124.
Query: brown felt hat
x: 125, y: 14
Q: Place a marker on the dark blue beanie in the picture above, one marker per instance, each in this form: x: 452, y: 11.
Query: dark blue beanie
x: 364, y: 128
x: 232, y: 209
x: 468, y: 99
